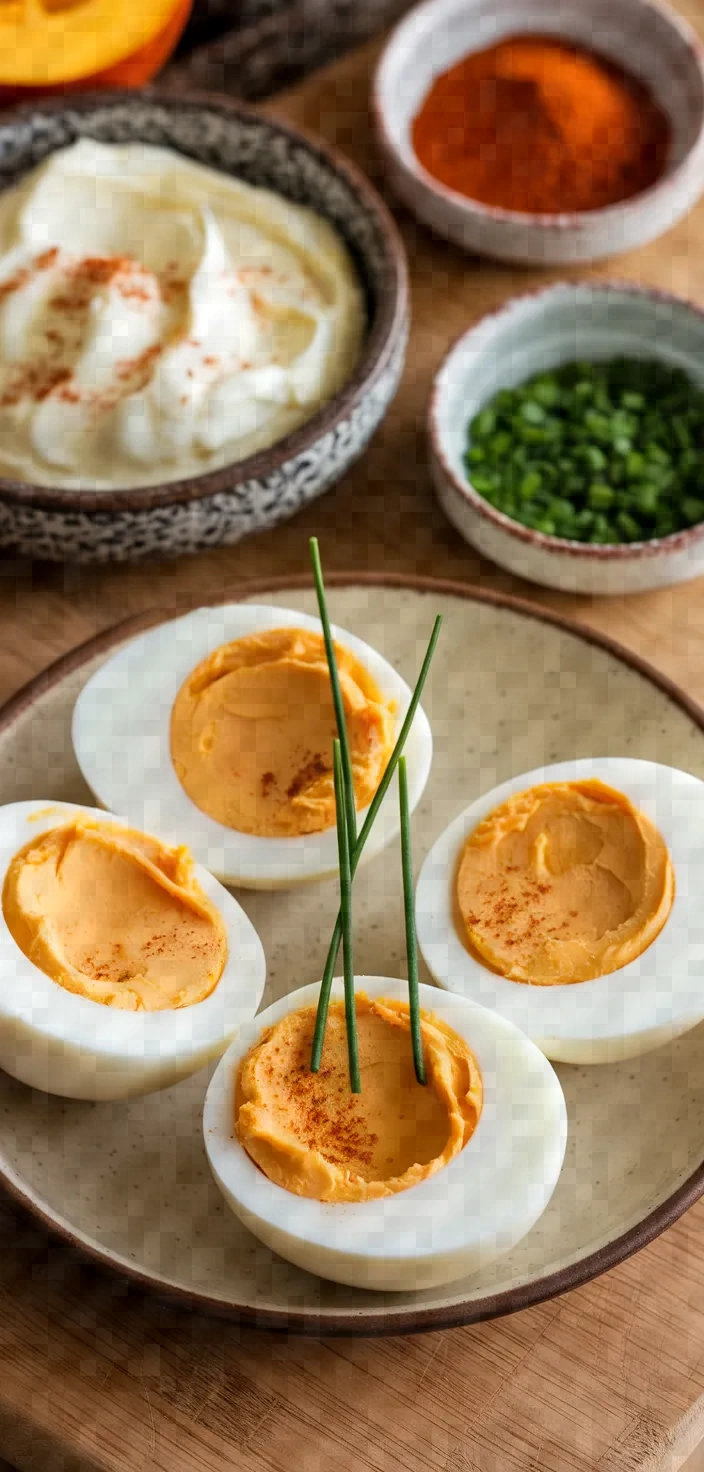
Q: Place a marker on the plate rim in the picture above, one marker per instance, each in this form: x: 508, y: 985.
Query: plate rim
x: 351, y: 1322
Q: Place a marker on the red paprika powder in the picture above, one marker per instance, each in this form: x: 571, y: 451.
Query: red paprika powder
x: 538, y: 125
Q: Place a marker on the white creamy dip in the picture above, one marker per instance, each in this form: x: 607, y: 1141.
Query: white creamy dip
x: 159, y: 319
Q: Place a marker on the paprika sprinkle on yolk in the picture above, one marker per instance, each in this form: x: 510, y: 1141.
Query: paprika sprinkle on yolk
x: 539, y: 126
x: 115, y: 916
x: 564, y: 882
x: 252, y: 730
x: 312, y: 1137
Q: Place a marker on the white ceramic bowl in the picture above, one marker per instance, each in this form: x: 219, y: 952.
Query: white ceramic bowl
x: 646, y: 1003
x: 645, y: 38
x: 456, y: 1222
x: 528, y: 335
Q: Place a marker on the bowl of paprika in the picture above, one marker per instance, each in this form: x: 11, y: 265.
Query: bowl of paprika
x: 543, y: 134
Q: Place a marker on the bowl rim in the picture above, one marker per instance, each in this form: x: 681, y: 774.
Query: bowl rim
x: 590, y: 551
x: 565, y: 220
x: 387, y: 323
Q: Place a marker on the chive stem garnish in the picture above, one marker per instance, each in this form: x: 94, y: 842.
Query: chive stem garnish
x: 379, y: 795
x: 350, y: 807
x: 343, y: 849
x: 411, y: 945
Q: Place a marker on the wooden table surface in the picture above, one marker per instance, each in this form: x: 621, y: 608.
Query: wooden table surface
x: 96, y: 1378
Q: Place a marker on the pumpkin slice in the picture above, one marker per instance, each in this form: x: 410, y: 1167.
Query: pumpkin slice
x: 45, y: 43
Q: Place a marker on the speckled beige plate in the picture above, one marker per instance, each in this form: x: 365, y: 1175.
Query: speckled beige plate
x: 511, y: 689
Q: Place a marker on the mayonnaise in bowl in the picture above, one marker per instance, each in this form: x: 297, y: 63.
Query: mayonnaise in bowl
x: 159, y: 319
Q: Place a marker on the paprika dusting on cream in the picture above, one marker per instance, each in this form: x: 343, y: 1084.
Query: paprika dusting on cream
x: 540, y: 126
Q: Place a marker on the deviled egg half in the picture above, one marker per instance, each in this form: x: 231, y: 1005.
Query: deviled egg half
x: 124, y: 966
x: 220, y: 724
x: 568, y: 900
x: 403, y: 1186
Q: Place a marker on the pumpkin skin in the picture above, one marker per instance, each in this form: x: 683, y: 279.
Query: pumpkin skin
x: 133, y: 70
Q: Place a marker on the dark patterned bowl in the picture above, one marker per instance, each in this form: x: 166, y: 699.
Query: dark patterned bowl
x: 223, y: 505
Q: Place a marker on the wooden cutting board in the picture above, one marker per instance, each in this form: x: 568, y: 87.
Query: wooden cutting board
x: 610, y: 1378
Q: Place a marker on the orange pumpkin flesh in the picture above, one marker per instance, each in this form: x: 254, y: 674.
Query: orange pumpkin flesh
x: 135, y: 70
x: 61, y: 45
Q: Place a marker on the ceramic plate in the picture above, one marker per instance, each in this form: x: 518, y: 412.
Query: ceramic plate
x: 511, y: 689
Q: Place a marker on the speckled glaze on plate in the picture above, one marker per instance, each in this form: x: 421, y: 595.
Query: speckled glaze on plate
x: 512, y: 688
x: 222, y: 506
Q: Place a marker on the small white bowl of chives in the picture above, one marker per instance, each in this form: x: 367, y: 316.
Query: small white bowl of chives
x: 535, y: 336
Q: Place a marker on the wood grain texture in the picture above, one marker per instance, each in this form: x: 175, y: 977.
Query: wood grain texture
x: 609, y: 1378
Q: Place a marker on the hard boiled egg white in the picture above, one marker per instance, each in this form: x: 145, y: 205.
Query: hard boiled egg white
x: 68, y: 1044
x: 455, y: 1222
x: 121, y: 739
x: 644, y: 1004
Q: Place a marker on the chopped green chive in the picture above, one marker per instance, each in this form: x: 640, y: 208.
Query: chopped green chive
x: 595, y: 452
x: 693, y: 509
x: 600, y: 496
x: 409, y: 915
